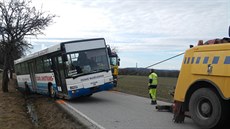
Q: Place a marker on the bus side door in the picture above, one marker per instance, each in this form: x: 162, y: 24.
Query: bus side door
x: 59, y: 73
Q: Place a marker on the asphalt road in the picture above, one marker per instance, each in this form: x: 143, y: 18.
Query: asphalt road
x: 115, y: 110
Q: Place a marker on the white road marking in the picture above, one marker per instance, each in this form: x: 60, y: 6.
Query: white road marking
x: 83, y: 115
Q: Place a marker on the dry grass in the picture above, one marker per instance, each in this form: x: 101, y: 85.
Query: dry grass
x: 13, y: 112
x: 138, y: 85
x: 12, y: 109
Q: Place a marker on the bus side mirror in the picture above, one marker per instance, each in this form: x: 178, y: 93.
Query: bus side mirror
x: 229, y: 31
x: 64, y: 57
x: 109, y: 50
x: 118, y: 63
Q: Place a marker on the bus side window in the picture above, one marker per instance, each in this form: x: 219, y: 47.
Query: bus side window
x: 24, y: 68
x: 47, y: 64
x: 18, y: 69
x: 39, y: 65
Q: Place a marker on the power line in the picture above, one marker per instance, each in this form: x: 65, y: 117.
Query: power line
x: 165, y: 60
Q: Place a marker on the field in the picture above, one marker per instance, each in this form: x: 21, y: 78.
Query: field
x: 138, y: 85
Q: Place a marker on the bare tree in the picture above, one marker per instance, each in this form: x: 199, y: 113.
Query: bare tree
x: 18, y: 20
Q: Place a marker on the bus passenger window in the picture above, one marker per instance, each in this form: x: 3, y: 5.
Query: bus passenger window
x: 39, y: 65
x: 47, y: 64
x: 18, y: 69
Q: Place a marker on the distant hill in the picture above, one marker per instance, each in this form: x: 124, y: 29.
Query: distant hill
x: 145, y: 72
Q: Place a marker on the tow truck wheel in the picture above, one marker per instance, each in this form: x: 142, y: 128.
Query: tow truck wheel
x: 205, y: 108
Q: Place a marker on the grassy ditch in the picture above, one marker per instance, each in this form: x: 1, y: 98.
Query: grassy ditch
x: 14, y: 113
x: 138, y: 85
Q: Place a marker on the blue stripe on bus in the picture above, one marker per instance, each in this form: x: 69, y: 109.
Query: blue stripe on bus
x: 42, y: 88
x: 88, y: 91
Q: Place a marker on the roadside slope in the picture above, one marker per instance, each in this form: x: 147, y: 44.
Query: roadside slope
x: 52, y: 117
x: 13, y: 112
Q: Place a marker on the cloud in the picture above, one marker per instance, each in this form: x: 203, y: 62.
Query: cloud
x: 158, y: 18
x: 176, y: 18
x: 138, y: 26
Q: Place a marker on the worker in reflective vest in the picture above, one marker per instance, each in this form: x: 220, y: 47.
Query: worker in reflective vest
x: 153, y: 81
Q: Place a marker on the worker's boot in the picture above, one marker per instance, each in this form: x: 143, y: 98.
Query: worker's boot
x: 153, y: 102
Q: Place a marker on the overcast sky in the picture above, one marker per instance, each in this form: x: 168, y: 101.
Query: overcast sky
x: 143, y: 31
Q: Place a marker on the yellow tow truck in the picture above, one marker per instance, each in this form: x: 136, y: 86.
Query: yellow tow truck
x: 114, y: 63
x: 203, y: 86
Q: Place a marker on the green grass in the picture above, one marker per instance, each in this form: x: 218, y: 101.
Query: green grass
x: 138, y: 85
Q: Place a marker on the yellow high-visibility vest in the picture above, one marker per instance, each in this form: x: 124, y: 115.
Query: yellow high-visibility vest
x: 153, y: 76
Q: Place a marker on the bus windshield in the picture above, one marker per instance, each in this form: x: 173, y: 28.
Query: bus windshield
x: 86, y: 62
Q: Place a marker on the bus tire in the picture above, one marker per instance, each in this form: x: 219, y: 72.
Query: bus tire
x: 89, y: 95
x: 52, y: 92
x: 206, y: 108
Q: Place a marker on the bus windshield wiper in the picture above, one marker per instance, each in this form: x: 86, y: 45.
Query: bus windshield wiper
x: 80, y: 74
x: 101, y: 70
x: 95, y: 71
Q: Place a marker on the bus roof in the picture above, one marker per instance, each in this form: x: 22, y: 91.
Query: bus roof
x: 39, y: 53
x: 51, y: 50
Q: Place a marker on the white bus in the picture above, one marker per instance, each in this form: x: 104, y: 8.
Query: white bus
x: 67, y: 70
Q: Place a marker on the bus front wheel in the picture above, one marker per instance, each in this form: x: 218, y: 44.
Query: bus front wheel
x: 206, y: 108
x: 51, y: 91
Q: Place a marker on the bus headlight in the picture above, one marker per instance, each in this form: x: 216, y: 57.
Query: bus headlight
x: 73, y: 91
x: 73, y: 87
